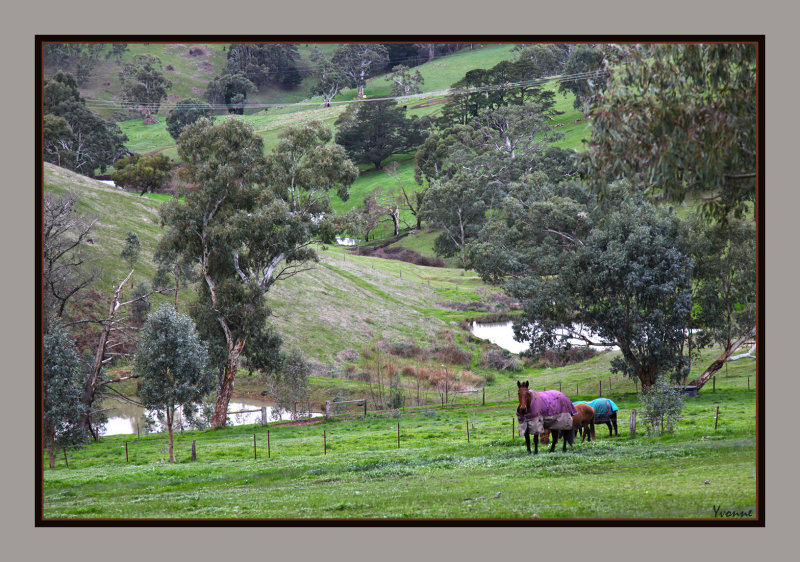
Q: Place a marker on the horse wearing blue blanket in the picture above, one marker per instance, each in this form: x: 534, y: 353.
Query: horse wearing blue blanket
x: 605, y: 411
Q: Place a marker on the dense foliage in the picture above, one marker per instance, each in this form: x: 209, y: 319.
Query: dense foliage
x: 88, y: 142
x: 186, y: 112
x: 681, y: 120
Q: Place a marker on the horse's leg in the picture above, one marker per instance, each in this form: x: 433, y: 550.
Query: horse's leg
x: 528, y: 440
x: 535, y: 443
x: 567, y: 435
x: 585, y: 434
x: 614, y: 421
x: 554, y: 438
x: 610, y: 431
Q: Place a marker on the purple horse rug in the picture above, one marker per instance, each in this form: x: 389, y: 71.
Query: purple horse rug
x: 549, y: 409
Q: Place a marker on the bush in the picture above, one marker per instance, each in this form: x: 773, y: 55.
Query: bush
x: 348, y: 355
x: 453, y: 355
x: 661, y: 404
x: 406, y: 349
x: 560, y: 357
x: 500, y: 360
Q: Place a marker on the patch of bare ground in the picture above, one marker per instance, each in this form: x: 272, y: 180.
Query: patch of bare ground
x: 197, y: 91
x: 176, y: 46
x: 204, y: 66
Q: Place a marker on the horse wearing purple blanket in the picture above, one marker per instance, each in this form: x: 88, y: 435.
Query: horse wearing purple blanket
x: 538, y: 411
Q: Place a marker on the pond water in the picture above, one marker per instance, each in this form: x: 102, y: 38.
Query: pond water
x: 502, y: 335
x: 125, y: 418
x: 347, y: 241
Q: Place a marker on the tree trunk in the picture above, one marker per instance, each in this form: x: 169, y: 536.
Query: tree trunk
x: 92, y: 380
x: 225, y: 391
x: 431, y: 51
x: 170, y: 419
x: 720, y: 361
x: 648, y: 379
x: 361, y: 90
x: 51, y: 447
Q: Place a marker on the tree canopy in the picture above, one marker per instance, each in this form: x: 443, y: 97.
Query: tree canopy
x: 172, y: 363
x: 89, y: 142
x: 144, y: 83
x: 249, y: 223
x: 143, y: 173
x: 373, y: 131
x: 231, y: 89
x: 681, y: 120
x: 186, y: 112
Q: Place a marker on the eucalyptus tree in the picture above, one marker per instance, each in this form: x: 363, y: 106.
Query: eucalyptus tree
x: 331, y: 80
x: 360, y: 61
x: 681, y: 120
x: 590, y: 63
x: 172, y: 364
x: 61, y: 391
x: 249, y: 223
x: 144, y: 83
x: 403, y: 82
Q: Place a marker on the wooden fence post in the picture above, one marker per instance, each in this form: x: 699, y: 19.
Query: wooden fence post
x: 559, y: 386
x: 324, y: 442
x: 365, y: 407
x: 126, y: 451
x: 601, y: 388
x: 65, y: 458
x: 467, y: 431
x: 513, y: 433
x: 255, y: 453
x: 716, y: 419
x: 484, y: 391
x: 268, y: 448
x: 714, y: 383
x: 263, y: 415
x: 633, y: 422
x: 327, y: 409
x: 398, y: 435
x: 194, y: 451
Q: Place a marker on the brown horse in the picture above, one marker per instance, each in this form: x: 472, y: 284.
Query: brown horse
x: 582, y: 422
x: 537, y: 410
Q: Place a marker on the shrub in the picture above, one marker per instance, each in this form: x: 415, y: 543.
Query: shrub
x: 560, y: 357
x: 453, y: 355
x: 661, y: 404
x: 500, y: 360
x: 348, y: 355
x: 406, y: 349
x: 409, y: 371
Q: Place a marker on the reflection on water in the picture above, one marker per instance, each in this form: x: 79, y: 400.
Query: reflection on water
x: 125, y: 418
x: 502, y: 334
x: 348, y: 241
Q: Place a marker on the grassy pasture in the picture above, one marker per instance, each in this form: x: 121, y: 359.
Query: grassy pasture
x: 434, y: 473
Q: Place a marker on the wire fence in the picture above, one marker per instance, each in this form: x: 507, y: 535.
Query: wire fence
x: 317, y: 438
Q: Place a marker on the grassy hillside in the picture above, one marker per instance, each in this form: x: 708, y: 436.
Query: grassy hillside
x: 355, y: 300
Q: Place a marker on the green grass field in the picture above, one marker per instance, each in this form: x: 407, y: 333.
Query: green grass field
x: 434, y: 473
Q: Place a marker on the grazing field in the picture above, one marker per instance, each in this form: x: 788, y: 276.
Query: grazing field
x: 434, y: 473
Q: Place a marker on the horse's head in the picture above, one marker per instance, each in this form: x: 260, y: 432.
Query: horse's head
x: 524, y: 398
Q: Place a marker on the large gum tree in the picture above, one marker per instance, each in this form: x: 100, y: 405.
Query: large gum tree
x: 249, y: 221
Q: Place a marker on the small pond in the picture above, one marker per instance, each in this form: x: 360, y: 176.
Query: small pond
x: 125, y: 418
x: 347, y: 241
x: 502, y: 335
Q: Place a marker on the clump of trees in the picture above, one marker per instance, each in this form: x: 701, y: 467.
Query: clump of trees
x: 146, y: 174
x: 75, y: 137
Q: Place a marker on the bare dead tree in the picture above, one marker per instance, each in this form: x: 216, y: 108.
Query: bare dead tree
x: 64, y: 257
x: 113, y: 334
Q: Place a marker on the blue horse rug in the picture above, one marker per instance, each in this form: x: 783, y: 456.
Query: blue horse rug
x: 603, y: 408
